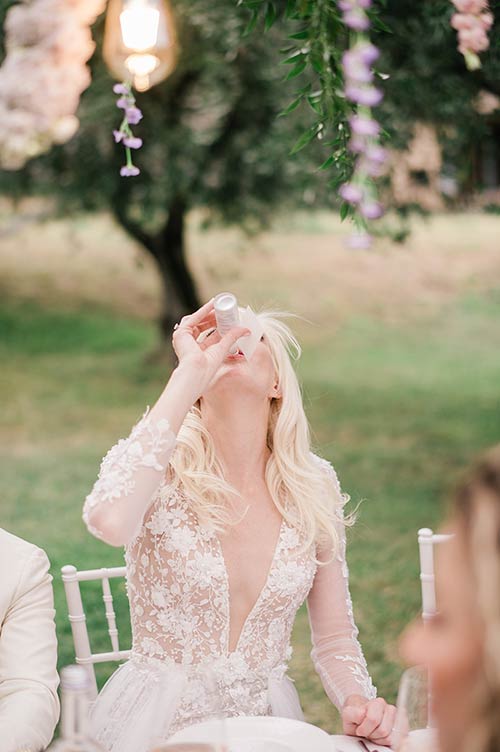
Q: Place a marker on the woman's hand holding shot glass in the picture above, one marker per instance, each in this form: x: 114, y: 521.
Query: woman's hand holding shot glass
x: 199, y: 359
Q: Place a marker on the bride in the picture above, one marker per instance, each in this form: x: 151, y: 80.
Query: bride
x: 229, y: 523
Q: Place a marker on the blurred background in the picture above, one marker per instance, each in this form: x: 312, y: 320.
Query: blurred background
x: 401, y: 342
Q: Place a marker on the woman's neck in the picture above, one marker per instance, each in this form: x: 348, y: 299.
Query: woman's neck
x: 239, y: 432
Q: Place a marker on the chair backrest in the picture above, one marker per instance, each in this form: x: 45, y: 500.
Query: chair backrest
x: 426, y: 542
x: 71, y: 578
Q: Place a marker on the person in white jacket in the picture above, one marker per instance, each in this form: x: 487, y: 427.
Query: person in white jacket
x: 29, y: 706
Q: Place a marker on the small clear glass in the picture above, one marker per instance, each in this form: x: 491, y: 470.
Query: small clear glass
x: 414, y: 729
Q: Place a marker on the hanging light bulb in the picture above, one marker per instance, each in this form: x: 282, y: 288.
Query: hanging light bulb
x: 140, y: 41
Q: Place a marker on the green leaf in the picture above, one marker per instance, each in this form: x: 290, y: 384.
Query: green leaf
x: 327, y: 163
x: 380, y: 25
x: 253, y: 4
x: 300, y: 35
x: 318, y: 65
x: 252, y: 23
x: 291, y: 107
x: 305, y: 139
x: 270, y: 16
x: 297, y: 70
x: 292, y: 59
x: 291, y: 9
x: 344, y: 211
x: 305, y: 89
x: 315, y: 104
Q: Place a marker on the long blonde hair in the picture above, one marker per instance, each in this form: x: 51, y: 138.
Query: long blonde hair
x: 303, y: 487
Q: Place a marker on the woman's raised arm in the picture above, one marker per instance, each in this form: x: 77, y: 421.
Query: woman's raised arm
x: 132, y: 471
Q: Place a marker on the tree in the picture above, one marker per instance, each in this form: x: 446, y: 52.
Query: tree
x: 212, y: 133
x: 212, y: 138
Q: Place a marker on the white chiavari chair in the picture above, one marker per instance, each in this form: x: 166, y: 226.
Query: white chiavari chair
x: 427, y: 540
x: 84, y: 656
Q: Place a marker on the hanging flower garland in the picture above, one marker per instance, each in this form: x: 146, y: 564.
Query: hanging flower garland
x: 472, y: 21
x: 48, y: 43
x: 360, y: 192
x: 131, y: 116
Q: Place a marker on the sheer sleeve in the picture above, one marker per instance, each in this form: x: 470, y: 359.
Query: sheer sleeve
x: 129, y: 477
x: 337, y: 654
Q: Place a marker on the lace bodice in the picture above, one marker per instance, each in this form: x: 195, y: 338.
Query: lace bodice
x: 178, y: 587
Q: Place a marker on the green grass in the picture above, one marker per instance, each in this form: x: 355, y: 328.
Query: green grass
x: 400, y: 409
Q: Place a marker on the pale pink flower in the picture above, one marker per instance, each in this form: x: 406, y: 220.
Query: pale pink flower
x: 470, y: 6
x: 486, y: 20
x: 44, y: 74
x: 461, y: 21
x: 472, y: 23
x: 475, y: 40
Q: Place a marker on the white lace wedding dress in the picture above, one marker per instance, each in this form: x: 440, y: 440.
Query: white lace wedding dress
x: 181, y: 670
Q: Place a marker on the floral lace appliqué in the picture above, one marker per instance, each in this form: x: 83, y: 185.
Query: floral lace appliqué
x: 146, y: 442
x: 178, y: 589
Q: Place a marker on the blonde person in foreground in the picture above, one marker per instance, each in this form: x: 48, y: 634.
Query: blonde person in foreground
x: 29, y: 707
x: 460, y: 645
x: 229, y: 523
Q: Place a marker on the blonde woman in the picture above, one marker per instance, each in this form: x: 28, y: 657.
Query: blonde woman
x: 229, y: 523
x: 461, y: 645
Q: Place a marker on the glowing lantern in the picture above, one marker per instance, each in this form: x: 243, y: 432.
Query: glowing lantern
x: 140, y: 43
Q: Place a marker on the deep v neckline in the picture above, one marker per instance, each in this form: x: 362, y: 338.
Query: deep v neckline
x: 259, y: 598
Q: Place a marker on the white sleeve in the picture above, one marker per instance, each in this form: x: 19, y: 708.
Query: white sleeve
x: 129, y: 477
x: 29, y: 706
x: 337, y: 654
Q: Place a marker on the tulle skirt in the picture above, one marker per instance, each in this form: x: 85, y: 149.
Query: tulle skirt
x: 143, y: 703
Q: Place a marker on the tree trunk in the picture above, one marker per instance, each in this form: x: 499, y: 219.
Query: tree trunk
x: 167, y: 248
x: 180, y: 295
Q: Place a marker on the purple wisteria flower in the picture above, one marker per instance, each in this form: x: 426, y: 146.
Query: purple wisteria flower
x: 129, y: 171
x: 357, y: 20
x: 367, y: 52
x: 354, y: 14
x: 359, y: 241
x: 351, y: 193
x: 131, y: 116
x: 355, y: 68
x: 367, y: 96
x: 364, y: 126
x: 347, y: 5
x: 357, y: 64
x: 132, y: 142
x: 371, y: 210
x: 375, y: 153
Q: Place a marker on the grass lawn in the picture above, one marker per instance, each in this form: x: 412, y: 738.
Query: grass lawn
x: 398, y: 399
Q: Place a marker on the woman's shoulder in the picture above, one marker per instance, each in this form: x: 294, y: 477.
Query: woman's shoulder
x: 326, y: 467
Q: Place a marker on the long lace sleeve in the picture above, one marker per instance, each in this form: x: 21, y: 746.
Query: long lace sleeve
x: 337, y: 654
x: 129, y: 477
